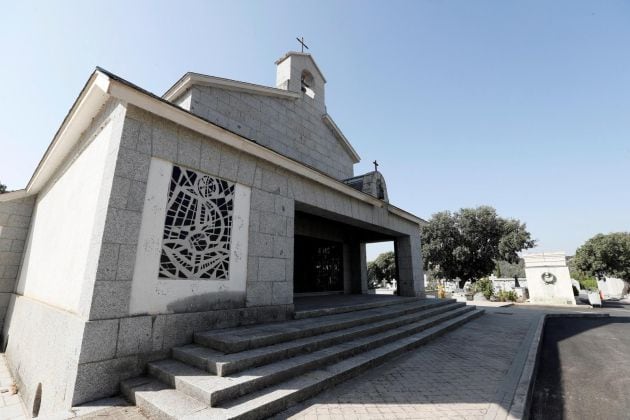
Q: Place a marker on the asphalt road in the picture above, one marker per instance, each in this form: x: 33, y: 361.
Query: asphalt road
x: 584, y: 370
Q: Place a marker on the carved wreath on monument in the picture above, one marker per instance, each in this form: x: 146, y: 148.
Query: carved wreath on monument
x: 198, y: 227
x: 548, y: 278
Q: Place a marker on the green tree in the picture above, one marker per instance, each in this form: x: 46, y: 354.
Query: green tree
x: 3, y: 188
x: 465, y: 245
x: 605, y: 255
x: 504, y: 269
x: 382, y: 268
x: 587, y: 281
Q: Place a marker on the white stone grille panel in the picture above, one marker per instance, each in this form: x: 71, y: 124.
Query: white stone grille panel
x: 198, y: 227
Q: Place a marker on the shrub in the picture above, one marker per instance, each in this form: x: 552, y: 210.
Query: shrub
x: 589, y: 283
x: 507, y: 296
x: 484, y: 286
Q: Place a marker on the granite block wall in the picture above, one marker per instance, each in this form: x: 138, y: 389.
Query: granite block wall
x: 43, y: 348
x: 116, y: 345
x: 409, y: 265
x: 43, y: 341
x: 101, y: 344
x: 271, y: 215
x: 15, y: 219
x: 274, y: 192
x: 293, y: 128
x: 116, y: 349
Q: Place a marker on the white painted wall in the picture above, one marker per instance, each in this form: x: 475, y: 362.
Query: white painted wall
x: 185, y: 101
x: 291, y: 69
x: 612, y: 287
x: 153, y: 295
x: 64, y: 231
x: 558, y: 292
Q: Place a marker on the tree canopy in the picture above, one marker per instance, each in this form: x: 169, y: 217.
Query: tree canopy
x: 465, y: 245
x: 382, y: 268
x: 504, y: 269
x: 585, y: 279
x: 605, y: 255
x: 3, y: 188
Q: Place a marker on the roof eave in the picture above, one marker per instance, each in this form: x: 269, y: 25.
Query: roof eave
x: 190, y: 79
x: 13, y: 195
x: 343, y: 140
x: 92, y: 97
x: 102, y: 85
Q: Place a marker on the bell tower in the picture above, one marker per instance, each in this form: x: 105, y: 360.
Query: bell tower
x: 298, y: 72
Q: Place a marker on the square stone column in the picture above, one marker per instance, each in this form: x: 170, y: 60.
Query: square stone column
x: 409, y: 265
x: 358, y: 268
x: 363, y: 263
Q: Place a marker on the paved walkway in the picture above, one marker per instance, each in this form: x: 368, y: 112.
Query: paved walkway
x: 11, y: 407
x: 113, y: 413
x: 470, y: 373
x: 462, y: 375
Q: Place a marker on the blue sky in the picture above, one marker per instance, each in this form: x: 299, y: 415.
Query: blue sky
x: 521, y: 105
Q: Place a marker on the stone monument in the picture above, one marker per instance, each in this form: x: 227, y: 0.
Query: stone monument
x: 548, y: 279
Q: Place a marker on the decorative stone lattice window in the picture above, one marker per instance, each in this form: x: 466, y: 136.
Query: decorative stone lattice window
x: 198, y: 227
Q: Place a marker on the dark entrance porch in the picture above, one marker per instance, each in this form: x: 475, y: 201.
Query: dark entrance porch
x: 318, y: 265
x: 330, y: 253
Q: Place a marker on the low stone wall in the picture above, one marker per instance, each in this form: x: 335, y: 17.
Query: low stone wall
x: 43, y: 345
x: 15, y: 219
x: 88, y: 360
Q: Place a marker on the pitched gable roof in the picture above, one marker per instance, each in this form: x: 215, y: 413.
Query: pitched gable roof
x: 103, y: 85
x: 196, y: 79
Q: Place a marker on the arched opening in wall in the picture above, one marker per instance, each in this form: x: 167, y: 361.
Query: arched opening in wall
x: 381, y: 268
x: 380, y: 190
x: 307, y: 83
x: 37, y: 401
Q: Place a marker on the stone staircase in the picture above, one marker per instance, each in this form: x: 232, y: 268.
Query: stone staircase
x: 256, y: 371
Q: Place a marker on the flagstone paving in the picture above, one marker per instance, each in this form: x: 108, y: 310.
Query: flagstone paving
x: 11, y: 407
x: 462, y: 375
x: 469, y: 373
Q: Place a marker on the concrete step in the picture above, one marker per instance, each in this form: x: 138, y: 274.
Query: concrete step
x: 233, y: 340
x: 161, y: 403
x: 226, y: 364
x: 313, y: 313
x: 213, y: 389
x: 158, y: 400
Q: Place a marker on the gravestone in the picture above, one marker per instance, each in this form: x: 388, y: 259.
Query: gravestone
x: 548, y: 279
x: 613, y: 288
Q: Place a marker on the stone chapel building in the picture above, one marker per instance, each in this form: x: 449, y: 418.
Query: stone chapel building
x: 150, y: 218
